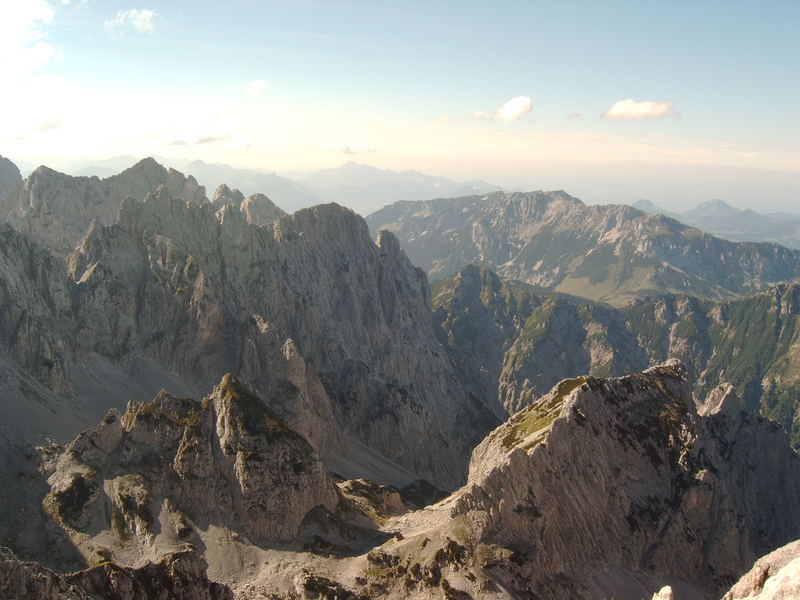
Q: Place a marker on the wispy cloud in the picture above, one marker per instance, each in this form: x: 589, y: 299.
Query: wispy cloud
x: 349, y: 148
x: 630, y: 109
x: 134, y: 19
x: 205, y: 139
x: 445, y: 118
x: 49, y: 125
x: 575, y: 116
x: 255, y: 88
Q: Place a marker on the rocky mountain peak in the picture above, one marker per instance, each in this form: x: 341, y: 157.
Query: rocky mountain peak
x: 659, y: 490
x: 224, y: 195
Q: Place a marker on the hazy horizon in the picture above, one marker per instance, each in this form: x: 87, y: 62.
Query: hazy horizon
x: 611, y: 103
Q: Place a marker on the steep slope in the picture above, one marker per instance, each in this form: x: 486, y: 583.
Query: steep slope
x: 751, y: 342
x: 512, y: 342
x: 603, y: 488
x: 10, y: 177
x: 610, y: 253
x: 56, y: 209
x: 308, y: 308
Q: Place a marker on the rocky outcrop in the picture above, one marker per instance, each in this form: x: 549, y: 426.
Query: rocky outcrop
x: 258, y: 209
x: 224, y: 195
x: 660, y: 490
x: 10, y: 177
x: 603, y: 488
x: 56, y: 209
x: 179, y: 576
x: 775, y: 576
x: 152, y: 480
x: 610, y: 253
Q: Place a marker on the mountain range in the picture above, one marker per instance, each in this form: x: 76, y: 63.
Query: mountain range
x: 731, y: 223
x: 207, y: 397
x: 611, y: 253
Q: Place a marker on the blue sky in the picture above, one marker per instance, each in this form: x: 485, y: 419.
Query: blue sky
x: 702, y: 91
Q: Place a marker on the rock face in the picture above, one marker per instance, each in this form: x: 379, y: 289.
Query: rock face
x: 179, y: 576
x: 775, y: 576
x: 56, y: 209
x: 610, y: 253
x: 664, y: 486
x: 336, y: 328
x: 10, y: 177
x: 604, y: 488
x: 145, y: 483
x: 511, y: 342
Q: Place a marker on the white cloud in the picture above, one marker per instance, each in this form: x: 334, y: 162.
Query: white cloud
x: 255, y: 88
x: 445, y: 118
x: 139, y: 20
x: 198, y: 141
x: 575, y: 116
x: 511, y: 111
x: 349, y: 148
x: 22, y: 38
x: 514, y: 109
x: 630, y: 109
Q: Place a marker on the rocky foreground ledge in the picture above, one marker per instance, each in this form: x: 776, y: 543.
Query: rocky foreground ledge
x: 602, y: 488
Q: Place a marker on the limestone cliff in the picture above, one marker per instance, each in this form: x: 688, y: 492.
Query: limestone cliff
x: 333, y: 326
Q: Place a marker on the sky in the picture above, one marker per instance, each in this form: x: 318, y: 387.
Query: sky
x: 676, y: 102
